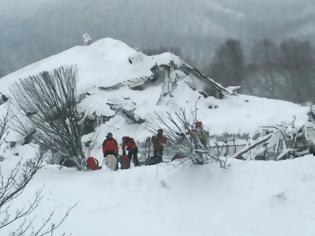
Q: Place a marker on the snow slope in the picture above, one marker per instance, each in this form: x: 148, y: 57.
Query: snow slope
x: 249, y: 198
x: 109, y: 63
x: 105, y: 63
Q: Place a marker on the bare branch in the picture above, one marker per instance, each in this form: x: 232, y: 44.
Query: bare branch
x: 13, y: 186
x: 3, y: 127
x: 54, y: 226
x: 184, y: 138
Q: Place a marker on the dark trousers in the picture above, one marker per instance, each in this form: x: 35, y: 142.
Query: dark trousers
x: 133, y: 154
x: 158, y: 153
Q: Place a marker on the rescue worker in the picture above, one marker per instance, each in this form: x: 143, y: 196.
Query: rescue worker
x: 158, y: 141
x: 201, y: 134
x: 200, y: 139
x: 198, y: 134
x: 110, y: 146
x: 128, y: 144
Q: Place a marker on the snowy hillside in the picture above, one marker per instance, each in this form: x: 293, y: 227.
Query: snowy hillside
x: 104, y: 63
x: 106, y: 74
x: 115, y: 81
x: 248, y: 199
x: 122, y: 88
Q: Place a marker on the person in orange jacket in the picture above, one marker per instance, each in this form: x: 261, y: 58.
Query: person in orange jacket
x: 110, y: 146
x: 128, y: 144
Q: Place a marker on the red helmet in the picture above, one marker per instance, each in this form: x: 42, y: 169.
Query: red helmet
x: 198, y: 124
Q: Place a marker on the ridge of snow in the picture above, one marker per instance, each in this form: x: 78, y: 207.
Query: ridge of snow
x: 103, y: 63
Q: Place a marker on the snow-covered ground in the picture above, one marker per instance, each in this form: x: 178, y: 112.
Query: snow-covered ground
x: 249, y: 198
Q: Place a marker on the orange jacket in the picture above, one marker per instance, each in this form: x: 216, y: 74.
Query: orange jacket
x: 110, y: 146
x: 158, y: 142
x: 129, y: 144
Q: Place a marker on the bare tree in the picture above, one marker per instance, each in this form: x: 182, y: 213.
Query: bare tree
x: 49, y: 104
x: 184, y: 139
x: 12, y: 186
x: 297, y: 65
x: 266, y: 60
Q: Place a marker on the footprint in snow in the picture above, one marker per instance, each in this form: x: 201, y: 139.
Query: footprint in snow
x: 278, y: 199
x: 164, y: 184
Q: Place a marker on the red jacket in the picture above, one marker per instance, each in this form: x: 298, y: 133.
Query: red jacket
x: 128, y: 144
x: 110, y: 146
x: 158, y: 142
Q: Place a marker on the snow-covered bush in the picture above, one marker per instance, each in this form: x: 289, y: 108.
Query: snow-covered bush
x: 48, y: 102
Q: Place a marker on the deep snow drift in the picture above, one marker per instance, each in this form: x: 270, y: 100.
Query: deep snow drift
x: 249, y: 198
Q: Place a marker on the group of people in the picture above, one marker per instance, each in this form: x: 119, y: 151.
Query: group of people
x: 197, y: 135
x: 130, y: 148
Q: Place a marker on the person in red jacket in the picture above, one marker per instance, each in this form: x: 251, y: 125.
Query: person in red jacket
x: 130, y: 145
x: 110, y: 146
x: 158, y: 142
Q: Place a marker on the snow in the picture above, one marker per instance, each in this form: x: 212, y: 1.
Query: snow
x: 103, y: 63
x: 249, y: 198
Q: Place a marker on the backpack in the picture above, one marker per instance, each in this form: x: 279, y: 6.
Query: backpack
x: 153, y: 160
x: 92, y: 163
x: 178, y: 156
x: 124, y: 162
